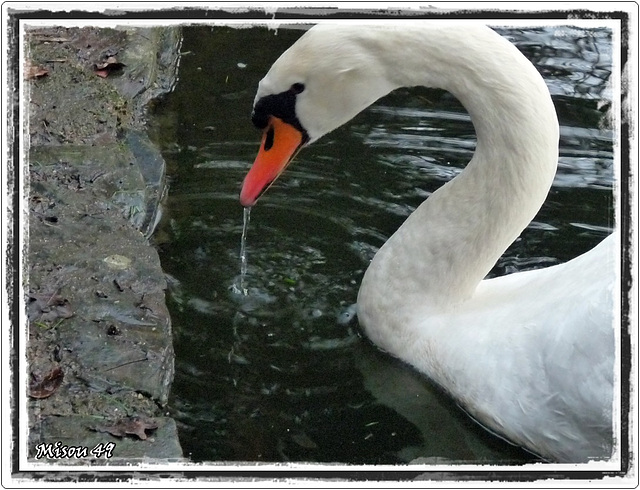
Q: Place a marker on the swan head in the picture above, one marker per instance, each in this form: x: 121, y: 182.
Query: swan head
x: 327, y: 77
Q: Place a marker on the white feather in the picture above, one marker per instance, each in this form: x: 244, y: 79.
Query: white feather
x: 529, y: 355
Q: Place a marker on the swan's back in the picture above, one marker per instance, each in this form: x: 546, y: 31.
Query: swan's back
x: 531, y: 355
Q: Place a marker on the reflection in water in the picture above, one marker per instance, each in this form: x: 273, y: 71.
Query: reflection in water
x: 281, y: 373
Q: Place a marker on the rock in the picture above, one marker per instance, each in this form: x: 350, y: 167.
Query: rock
x: 94, y: 284
x: 91, y: 445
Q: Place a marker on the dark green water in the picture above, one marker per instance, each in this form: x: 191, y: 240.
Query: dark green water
x: 283, y: 373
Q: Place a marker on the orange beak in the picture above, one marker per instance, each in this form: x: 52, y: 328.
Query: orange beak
x: 280, y: 142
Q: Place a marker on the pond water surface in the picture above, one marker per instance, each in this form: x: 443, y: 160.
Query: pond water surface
x: 283, y: 373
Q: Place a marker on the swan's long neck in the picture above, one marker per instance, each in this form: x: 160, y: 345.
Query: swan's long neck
x: 449, y: 244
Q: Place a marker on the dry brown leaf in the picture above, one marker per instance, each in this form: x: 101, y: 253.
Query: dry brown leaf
x: 104, y: 68
x: 32, y: 72
x: 48, y: 385
x: 129, y: 426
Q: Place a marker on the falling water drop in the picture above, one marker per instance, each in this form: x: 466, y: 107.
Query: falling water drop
x: 240, y: 289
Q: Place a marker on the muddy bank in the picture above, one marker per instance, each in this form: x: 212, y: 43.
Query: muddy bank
x: 99, y: 347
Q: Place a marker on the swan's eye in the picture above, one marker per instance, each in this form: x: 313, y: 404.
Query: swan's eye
x: 296, y: 88
x: 268, y: 142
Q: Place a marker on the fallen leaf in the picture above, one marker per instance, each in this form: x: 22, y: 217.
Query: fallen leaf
x: 48, y: 307
x: 110, y: 60
x: 117, y: 261
x: 47, y: 386
x: 107, y: 66
x: 303, y: 440
x: 32, y: 72
x: 129, y: 426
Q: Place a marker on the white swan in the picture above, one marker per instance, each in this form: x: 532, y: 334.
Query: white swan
x: 529, y: 355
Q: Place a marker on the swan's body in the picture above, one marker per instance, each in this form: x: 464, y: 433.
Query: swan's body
x: 530, y: 355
